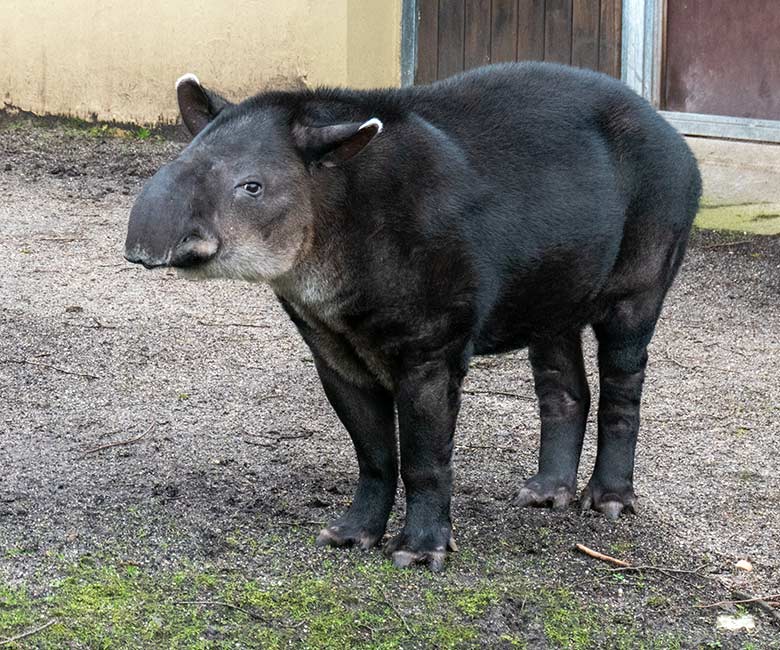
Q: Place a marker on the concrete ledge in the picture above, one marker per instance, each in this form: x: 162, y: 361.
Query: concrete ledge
x: 741, y: 185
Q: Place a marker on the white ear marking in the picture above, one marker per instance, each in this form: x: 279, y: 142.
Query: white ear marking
x: 373, y: 122
x: 187, y: 77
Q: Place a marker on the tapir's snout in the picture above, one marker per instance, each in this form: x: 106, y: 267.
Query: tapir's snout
x: 163, y: 229
x: 192, y: 250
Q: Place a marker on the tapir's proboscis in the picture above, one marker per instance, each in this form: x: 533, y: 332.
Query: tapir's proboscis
x: 406, y: 230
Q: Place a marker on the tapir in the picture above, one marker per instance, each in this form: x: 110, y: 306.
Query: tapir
x: 407, y: 230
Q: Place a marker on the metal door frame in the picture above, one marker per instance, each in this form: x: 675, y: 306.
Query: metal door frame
x: 409, y: 21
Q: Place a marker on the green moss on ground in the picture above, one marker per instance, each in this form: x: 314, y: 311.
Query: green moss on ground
x: 753, y: 218
x: 75, y: 126
x: 358, y: 602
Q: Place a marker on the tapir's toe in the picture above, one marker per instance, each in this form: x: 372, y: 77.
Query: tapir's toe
x: 404, y: 553
x: 342, y: 535
x: 610, y: 502
x: 434, y: 559
x: 543, y: 491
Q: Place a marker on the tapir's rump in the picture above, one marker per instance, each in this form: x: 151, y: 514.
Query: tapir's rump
x: 406, y: 230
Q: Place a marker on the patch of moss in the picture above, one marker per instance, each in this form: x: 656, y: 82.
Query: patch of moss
x: 450, y: 636
x: 621, y: 548
x: 333, y: 600
x: 107, y: 606
x: 755, y: 218
x: 660, y: 601
x: 474, y: 602
x: 16, y: 610
x: 565, y: 624
x: 513, y: 641
x: 77, y: 127
x: 570, y: 625
x: 16, y: 551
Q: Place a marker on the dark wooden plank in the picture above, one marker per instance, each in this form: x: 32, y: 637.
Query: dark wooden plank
x: 557, y: 31
x: 451, y: 33
x: 477, y: 46
x: 503, y: 31
x: 610, y: 32
x: 585, y: 34
x: 530, y: 30
x: 427, y: 41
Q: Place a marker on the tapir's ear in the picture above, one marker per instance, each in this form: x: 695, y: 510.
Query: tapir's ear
x: 197, y: 105
x: 337, y: 143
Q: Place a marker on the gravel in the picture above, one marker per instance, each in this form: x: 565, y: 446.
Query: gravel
x: 242, y: 436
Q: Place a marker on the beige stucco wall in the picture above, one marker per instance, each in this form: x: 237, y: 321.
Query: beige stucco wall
x: 118, y: 60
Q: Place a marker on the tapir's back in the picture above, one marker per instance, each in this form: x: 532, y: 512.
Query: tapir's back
x: 526, y: 125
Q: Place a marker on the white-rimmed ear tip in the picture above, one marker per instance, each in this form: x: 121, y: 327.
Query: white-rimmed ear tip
x: 373, y: 122
x: 187, y: 77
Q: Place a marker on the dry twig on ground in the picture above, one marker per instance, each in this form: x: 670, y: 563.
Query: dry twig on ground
x: 119, y: 443
x: 743, y: 598
x: 270, y: 396
x: 29, y: 633
x: 27, y: 362
x: 726, y: 244
x: 761, y: 603
x: 275, y: 437
x: 621, y: 565
x: 398, y: 612
x: 500, y: 393
x: 207, y: 323
x: 218, y: 603
x: 600, y: 556
x: 61, y: 239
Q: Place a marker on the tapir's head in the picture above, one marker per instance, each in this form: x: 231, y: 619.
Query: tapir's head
x: 238, y: 200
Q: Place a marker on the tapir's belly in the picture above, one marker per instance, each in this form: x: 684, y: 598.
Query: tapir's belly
x: 561, y: 293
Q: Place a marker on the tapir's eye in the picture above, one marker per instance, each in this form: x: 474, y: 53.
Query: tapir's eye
x: 252, y: 188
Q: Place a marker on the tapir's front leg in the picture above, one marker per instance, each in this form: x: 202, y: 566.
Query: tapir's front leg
x: 367, y: 411
x: 367, y: 414
x: 428, y: 400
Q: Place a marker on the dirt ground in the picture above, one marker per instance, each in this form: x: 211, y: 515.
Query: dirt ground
x: 200, y: 533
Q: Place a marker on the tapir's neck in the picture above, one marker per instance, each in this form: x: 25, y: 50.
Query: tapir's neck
x: 316, y: 284
x: 321, y: 281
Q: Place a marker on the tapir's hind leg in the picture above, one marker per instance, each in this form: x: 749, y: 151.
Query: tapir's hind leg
x: 623, y: 337
x: 564, y: 400
x: 623, y: 332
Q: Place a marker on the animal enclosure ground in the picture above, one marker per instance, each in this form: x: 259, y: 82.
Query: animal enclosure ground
x: 167, y: 455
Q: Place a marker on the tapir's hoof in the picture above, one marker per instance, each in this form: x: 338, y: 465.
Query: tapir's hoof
x: 611, y: 503
x: 403, y: 555
x: 345, y: 535
x: 542, y: 492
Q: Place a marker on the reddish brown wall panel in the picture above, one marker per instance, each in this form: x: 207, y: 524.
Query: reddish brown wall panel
x: 723, y: 58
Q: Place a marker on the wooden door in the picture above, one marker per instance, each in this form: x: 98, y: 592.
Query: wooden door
x: 723, y: 58
x: 455, y: 35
